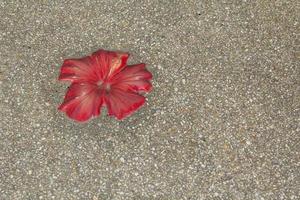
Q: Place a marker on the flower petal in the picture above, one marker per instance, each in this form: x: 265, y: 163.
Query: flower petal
x: 78, y: 70
x: 134, y: 78
x: 121, y: 103
x: 82, y: 101
x: 109, y: 63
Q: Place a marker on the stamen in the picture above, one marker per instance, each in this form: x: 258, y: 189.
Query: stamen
x: 99, y: 83
x: 107, y: 87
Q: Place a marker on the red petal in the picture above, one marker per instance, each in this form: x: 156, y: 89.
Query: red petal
x: 82, y: 101
x: 121, y: 104
x: 78, y: 70
x: 134, y: 78
x: 109, y: 63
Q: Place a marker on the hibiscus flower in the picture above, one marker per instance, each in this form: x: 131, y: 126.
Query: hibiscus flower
x: 103, y: 79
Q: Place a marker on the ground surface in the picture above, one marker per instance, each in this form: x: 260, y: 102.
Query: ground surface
x: 221, y: 122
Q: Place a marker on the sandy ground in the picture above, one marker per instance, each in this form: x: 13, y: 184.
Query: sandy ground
x: 221, y: 123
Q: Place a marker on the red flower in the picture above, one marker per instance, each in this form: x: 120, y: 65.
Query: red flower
x: 103, y: 79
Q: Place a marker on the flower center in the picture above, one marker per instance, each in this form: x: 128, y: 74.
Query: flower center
x: 103, y: 86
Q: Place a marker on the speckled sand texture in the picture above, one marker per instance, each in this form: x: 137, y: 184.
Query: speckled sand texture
x: 221, y: 123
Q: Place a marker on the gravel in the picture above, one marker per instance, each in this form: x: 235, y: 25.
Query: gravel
x: 221, y: 123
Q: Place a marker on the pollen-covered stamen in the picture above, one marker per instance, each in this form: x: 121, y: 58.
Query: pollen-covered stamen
x: 100, y: 83
x: 107, y: 87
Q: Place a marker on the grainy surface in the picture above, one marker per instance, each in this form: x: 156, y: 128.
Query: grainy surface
x: 221, y: 123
